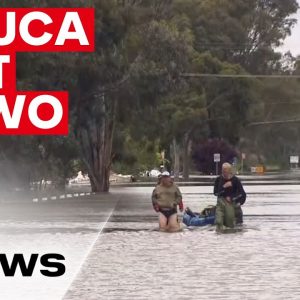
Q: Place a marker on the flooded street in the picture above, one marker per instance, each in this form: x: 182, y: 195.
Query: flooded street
x: 67, y: 227
x: 114, y: 251
x: 132, y: 261
x: 104, y: 105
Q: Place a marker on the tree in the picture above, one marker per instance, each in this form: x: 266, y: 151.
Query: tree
x: 203, y: 155
x: 242, y: 32
x: 133, y: 92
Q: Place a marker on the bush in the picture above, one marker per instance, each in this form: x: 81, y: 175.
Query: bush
x: 203, y: 155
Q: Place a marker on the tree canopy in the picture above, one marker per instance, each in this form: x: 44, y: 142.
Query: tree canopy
x: 134, y: 97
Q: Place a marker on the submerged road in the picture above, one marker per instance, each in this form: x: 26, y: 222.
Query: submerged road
x: 132, y: 261
x: 113, y: 250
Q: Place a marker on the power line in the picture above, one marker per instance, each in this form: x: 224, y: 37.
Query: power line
x: 283, y: 102
x: 273, y: 122
x: 195, y: 75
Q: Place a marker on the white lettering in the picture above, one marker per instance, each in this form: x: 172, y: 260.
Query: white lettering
x: 12, y: 121
x: 33, y: 115
x: 78, y: 34
x: 24, y: 28
x: 10, y: 29
x: 4, y: 59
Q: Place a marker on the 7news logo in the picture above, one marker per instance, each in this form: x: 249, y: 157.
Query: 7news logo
x: 51, y: 265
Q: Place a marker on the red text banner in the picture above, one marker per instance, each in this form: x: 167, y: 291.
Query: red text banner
x: 34, y: 113
x: 47, y: 30
x: 39, y: 30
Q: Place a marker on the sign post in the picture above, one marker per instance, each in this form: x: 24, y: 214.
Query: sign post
x: 217, y: 159
x: 242, y: 166
x: 294, y: 160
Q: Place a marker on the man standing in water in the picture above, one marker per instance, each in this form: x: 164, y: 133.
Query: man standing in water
x: 231, y: 196
x: 165, y: 199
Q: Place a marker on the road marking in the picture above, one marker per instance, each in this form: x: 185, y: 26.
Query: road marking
x: 91, y: 248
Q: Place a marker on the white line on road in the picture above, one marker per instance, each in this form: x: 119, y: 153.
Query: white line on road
x: 91, y: 248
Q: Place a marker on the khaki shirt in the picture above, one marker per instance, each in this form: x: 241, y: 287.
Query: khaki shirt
x: 166, y: 197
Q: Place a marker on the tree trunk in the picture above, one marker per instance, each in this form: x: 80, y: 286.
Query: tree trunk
x: 186, y: 156
x: 176, y: 158
x: 96, y: 145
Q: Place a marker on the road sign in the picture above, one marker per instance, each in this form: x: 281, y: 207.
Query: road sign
x: 294, y: 159
x: 217, y: 157
x: 243, y: 155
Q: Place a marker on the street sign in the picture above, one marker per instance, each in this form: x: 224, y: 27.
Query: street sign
x: 243, y: 155
x: 294, y: 159
x: 217, y: 157
x: 235, y: 161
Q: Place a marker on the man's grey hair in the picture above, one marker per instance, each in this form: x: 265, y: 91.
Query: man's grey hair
x: 227, y: 166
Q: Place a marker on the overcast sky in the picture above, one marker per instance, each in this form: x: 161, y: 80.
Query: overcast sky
x: 292, y: 43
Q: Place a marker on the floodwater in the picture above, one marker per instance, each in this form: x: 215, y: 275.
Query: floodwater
x: 130, y: 260
x: 114, y: 251
x: 67, y: 227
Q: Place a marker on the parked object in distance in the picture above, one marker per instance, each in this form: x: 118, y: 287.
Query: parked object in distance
x: 154, y: 173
